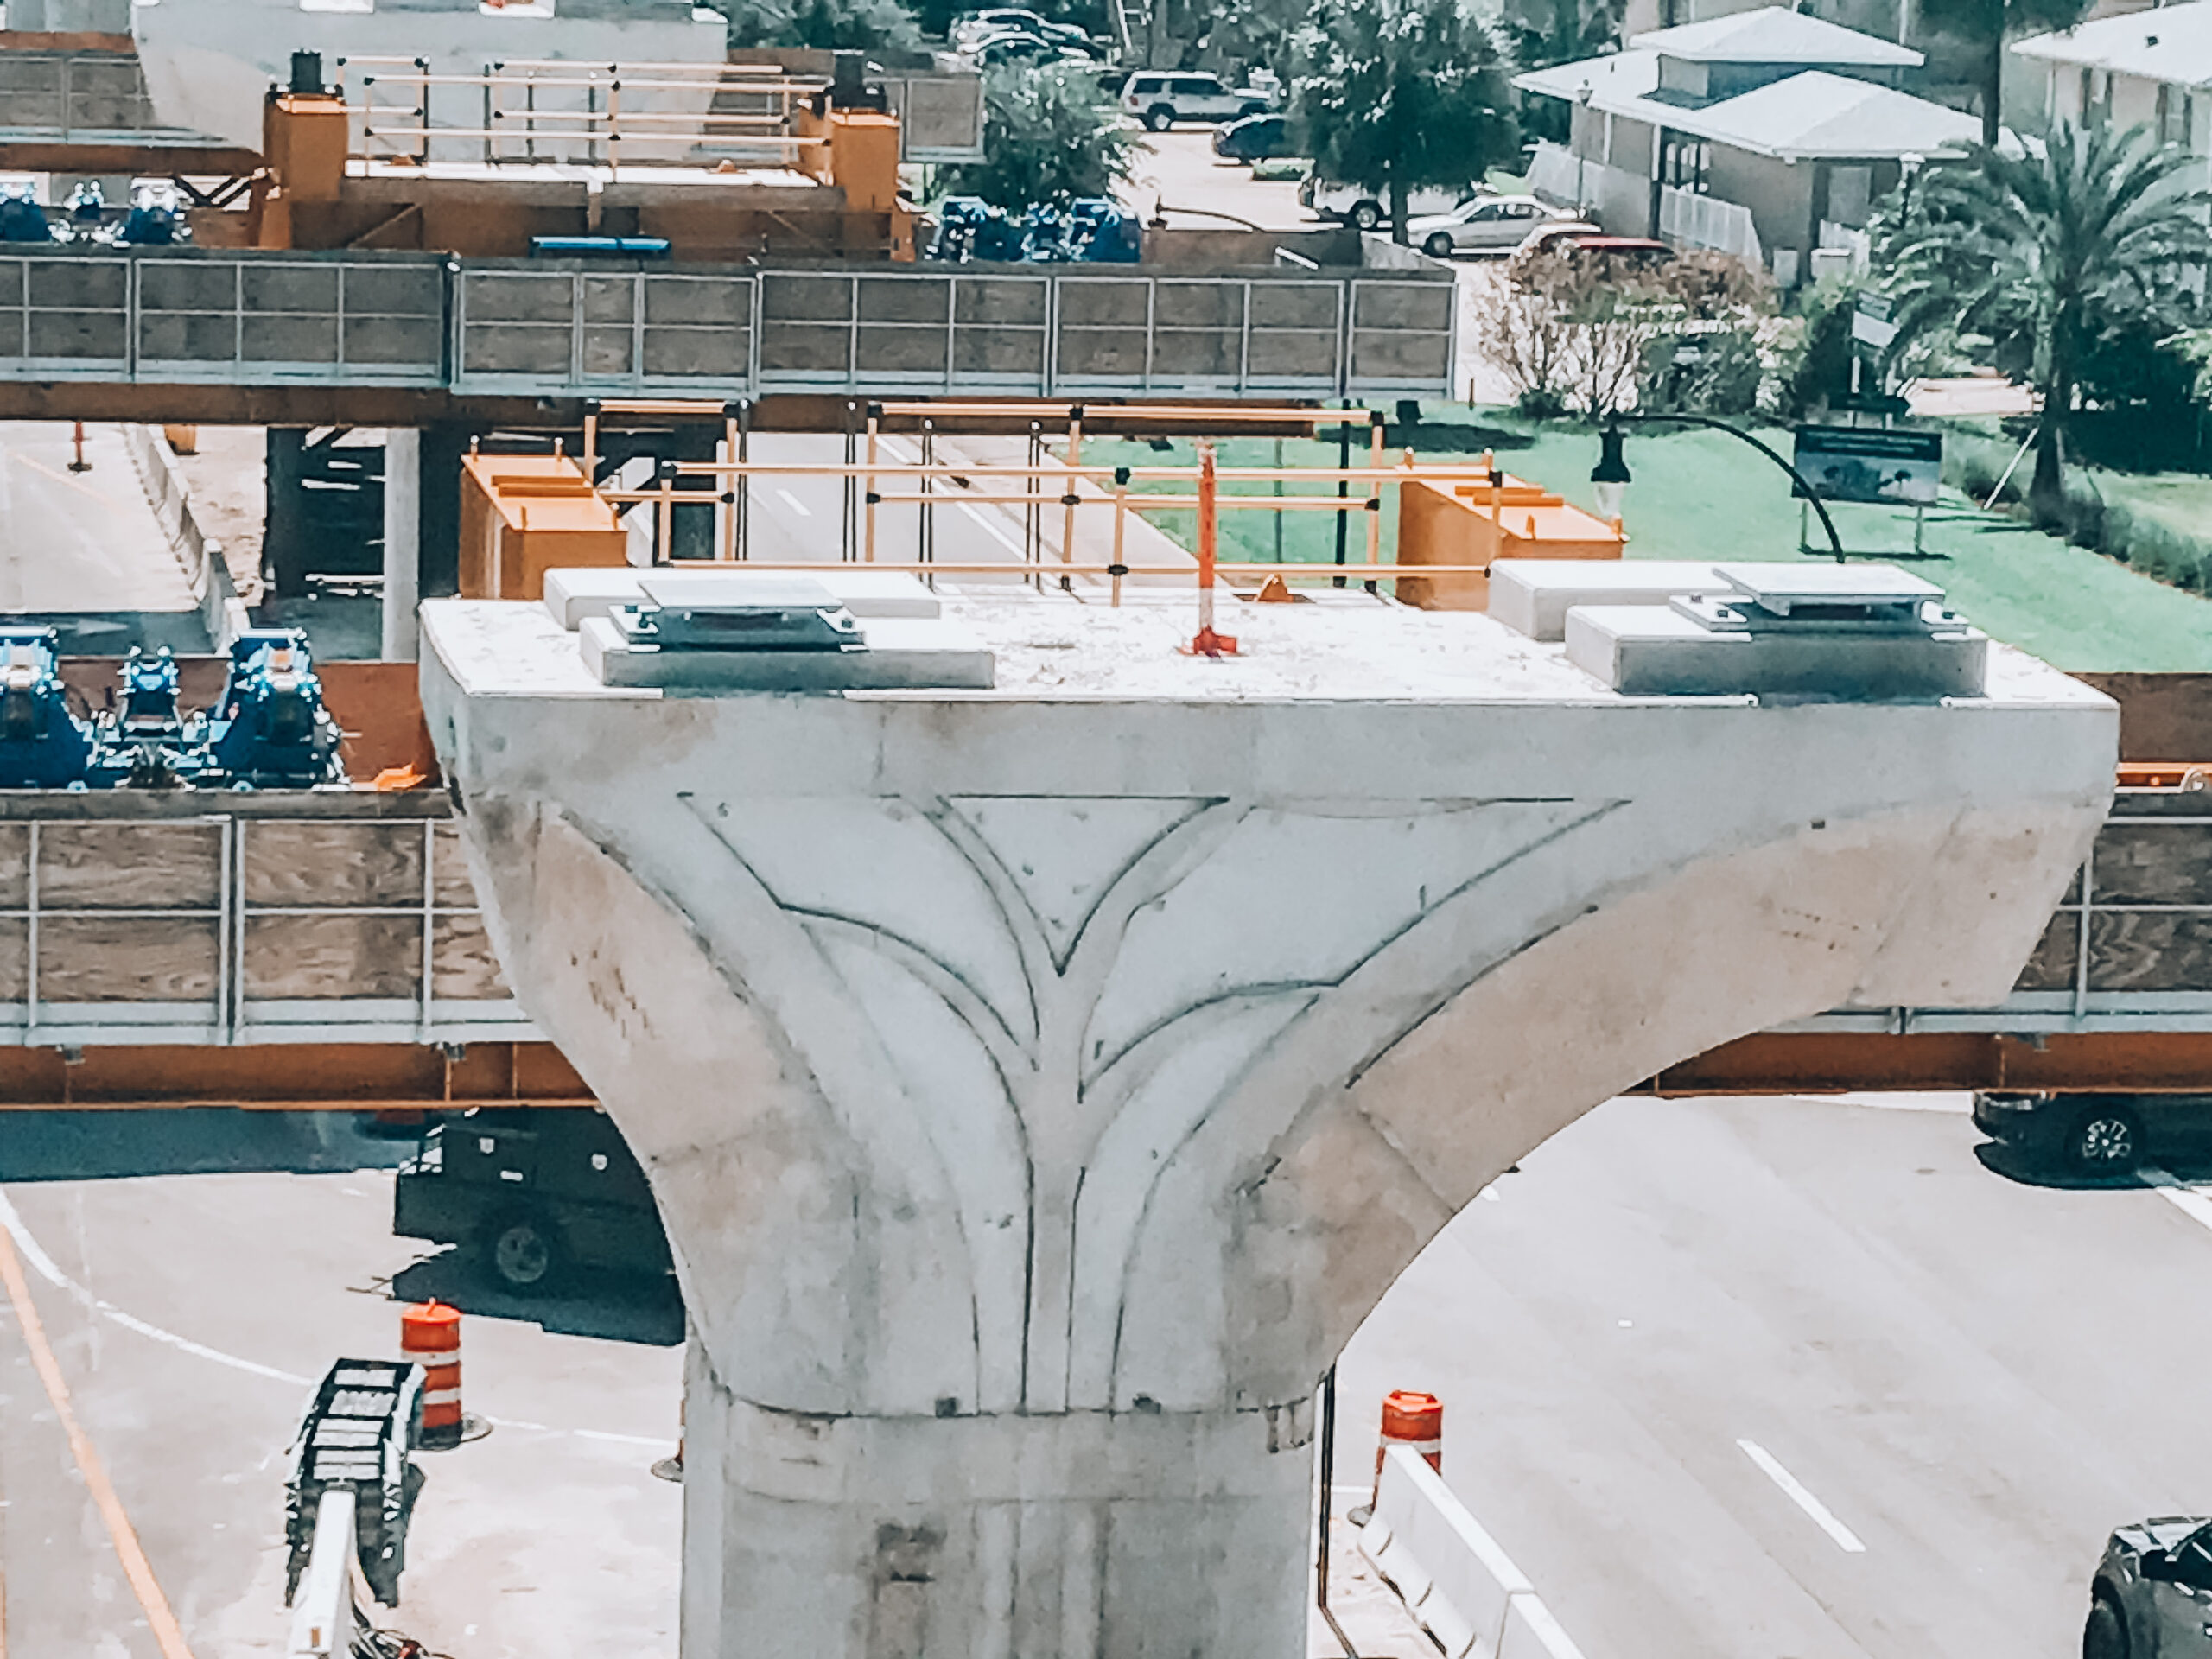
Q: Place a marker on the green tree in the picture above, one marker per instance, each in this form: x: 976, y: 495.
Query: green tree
x: 828, y: 25
x: 1987, y: 26
x: 1394, y: 95
x: 1049, y: 135
x: 2043, y: 254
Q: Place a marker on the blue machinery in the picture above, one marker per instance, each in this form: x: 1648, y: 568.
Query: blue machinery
x: 268, y: 729
x: 1090, y: 231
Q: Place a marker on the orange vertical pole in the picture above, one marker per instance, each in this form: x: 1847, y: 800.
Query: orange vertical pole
x: 1208, y: 643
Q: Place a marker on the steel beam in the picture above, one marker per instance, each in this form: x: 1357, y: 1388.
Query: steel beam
x: 1815, y: 1063
x: 290, y: 1076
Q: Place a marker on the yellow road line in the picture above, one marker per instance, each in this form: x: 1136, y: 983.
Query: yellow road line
x: 98, y: 494
x: 166, y: 1632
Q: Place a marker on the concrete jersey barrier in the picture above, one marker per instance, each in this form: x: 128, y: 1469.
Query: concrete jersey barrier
x: 1452, y: 1576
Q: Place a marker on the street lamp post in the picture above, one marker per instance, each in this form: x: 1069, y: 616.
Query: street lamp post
x: 1583, y: 95
x: 1609, y: 477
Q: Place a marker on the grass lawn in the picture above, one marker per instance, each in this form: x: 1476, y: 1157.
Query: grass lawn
x: 1704, y: 495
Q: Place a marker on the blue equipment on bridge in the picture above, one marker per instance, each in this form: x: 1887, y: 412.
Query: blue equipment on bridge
x: 21, y: 219
x: 270, y: 730
x: 153, y: 222
x: 145, y: 741
x: 1090, y: 230
x: 42, y: 744
x: 84, y: 214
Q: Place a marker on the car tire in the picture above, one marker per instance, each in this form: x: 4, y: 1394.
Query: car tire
x: 1160, y: 117
x: 1250, y: 109
x: 1438, y: 246
x: 1365, y: 215
x: 2105, y: 1635
x: 2104, y: 1140
x: 523, y: 1251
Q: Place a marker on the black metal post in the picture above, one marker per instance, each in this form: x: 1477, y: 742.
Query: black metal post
x: 1343, y: 490
x: 1835, y: 542
x: 1328, y: 1482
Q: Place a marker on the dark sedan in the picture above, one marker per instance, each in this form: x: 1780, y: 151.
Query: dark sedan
x: 2098, y: 1135
x: 1253, y: 138
x: 2152, y: 1597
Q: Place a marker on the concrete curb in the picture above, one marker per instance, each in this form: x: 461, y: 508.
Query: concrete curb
x: 1452, y: 1576
x: 221, y: 609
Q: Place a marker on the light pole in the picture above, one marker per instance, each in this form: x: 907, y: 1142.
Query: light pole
x: 1609, y: 477
x: 1583, y: 95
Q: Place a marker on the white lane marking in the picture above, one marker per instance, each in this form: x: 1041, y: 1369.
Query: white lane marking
x: 992, y: 530
x: 43, y: 1265
x: 2188, y: 1200
x: 1795, y: 1491
x: 796, y: 505
x: 618, y: 1439
x: 47, y: 1268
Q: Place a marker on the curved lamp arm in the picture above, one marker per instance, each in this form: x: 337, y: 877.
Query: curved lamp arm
x: 1835, y: 542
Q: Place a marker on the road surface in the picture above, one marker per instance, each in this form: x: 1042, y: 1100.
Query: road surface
x: 1749, y: 1379
x: 83, y: 549
x: 1752, y: 1378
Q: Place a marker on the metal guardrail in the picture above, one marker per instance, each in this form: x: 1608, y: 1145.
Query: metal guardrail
x: 533, y: 330
x: 184, y: 316
x: 185, y: 927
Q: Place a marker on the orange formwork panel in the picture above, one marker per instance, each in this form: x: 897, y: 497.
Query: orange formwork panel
x: 1469, y: 522
x: 524, y: 515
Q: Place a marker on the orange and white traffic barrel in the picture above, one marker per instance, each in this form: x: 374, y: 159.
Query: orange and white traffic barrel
x: 1414, y: 1420
x: 430, y: 1335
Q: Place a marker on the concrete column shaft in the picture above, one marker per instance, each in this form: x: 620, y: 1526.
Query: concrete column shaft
x: 402, y: 541
x: 1075, y: 1535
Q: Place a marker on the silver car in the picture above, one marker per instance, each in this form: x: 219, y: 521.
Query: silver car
x: 1485, y: 225
x: 2151, y: 1597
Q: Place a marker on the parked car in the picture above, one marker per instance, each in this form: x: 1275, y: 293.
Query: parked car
x: 1018, y: 45
x: 1253, y: 138
x: 1577, y: 236
x: 2097, y: 1134
x: 1361, y: 209
x: 990, y: 21
x: 2152, y: 1595
x: 1482, y: 225
x: 1160, y: 101
x: 537, y: 1192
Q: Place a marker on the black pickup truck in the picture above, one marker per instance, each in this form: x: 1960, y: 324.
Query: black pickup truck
x: 538, y: 1192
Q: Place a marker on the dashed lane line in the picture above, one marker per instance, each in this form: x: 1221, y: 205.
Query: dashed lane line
x: 1801, y: 1495
x: 169, y: 1635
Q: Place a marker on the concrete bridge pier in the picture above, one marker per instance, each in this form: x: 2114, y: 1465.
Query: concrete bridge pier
x: 1039, y: 1084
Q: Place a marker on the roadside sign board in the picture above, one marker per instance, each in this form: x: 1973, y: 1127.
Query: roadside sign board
x: 1870, y: 463
x: 1870, y: 321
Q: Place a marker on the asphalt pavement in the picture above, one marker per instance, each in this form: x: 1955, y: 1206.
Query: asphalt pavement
x: 185, y: 1317
x: 85, y: 544
x: 1782, y: 1379
x: 1735, y: 1379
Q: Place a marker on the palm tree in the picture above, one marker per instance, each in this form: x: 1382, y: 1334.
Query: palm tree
x: 2040, y: 251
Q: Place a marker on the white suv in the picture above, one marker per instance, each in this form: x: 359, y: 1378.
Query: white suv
x: 1364, y: 210
x: 1160, y: 100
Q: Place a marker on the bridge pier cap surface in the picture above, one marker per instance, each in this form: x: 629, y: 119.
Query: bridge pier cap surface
x: 1041, y: 1082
